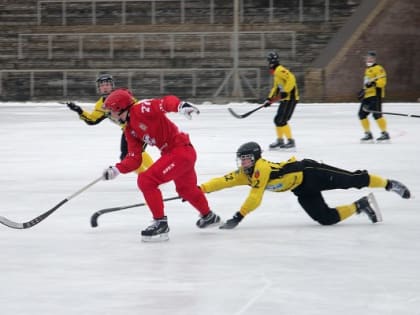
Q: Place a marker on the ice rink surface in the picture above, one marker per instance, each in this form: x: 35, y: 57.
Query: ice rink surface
x: 276, y: 262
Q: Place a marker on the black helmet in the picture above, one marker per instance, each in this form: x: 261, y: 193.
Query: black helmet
x: 273, y: 58
x: 370, y: 58
x: 371, y: 53
x: 249, y: 150
x: 105, y: 78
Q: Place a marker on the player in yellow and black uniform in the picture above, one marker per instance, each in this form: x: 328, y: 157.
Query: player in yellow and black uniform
x: 306, y: 179
x: 373, y: 92
x: 105, y: 85
x: 284, y: 90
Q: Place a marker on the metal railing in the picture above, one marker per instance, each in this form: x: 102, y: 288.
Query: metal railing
x: 65, y: 3
x: 129, y: 74
x: 139, y: 40
x: 43, y: 4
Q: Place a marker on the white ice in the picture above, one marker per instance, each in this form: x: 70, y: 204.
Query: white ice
x: 277, y: 261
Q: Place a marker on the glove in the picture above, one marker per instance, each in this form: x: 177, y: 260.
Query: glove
x: 283, y: 95
x: 267, y: 103
x: 74, y: 107
x: 187, y: 109
x: 110, y: 173
x: 370, y: 84
x: 232, y: 223
x: 361, y: 95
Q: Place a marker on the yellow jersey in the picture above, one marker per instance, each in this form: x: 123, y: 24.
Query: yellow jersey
x: 98, y: 114
x: 377, y: 74
x: 276, y: 177
x: 283, y: 81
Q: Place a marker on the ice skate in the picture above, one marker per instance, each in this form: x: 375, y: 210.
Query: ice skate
x: 398, y: 188
x: 211, y: 219
x: 157, y: 231
x: 369, y: 206
x: 367, y: 138
x: 290, y: 145
x: 276, y: 145
x: 383, y: 138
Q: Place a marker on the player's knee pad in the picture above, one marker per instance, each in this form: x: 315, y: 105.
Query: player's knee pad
x: 330, y: 220
x: 362, y: 114
x: 279, y: 121
x: 377, y: 116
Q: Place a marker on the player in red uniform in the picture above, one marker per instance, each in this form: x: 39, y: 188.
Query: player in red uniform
x: 147, y: 124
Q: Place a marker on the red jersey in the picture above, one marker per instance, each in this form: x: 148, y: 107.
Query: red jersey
x: 148, y: 124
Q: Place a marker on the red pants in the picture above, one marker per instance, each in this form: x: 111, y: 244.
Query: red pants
x: 177, y: 165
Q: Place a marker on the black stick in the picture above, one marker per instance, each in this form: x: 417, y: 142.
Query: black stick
x: 95, y: 216
x: 240, y: 116
x: 389, y: 113
x: 43, y: 216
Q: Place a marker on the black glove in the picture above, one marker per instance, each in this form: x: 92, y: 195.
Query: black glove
x: 361, y: 95
x: 232, y: 223
x: 267, y: 103
x: 283, y: 95
x: 370, y: 84
x: 75, y: 107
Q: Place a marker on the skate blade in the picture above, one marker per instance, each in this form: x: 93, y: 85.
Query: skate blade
x: 367, y: 141
x: 383, y: 141
x: 288, y: 149
x: 155, y: 238
x: 225, y: 226
x: 283, y: 149
x: 375, y: 207
x: 213, y: 225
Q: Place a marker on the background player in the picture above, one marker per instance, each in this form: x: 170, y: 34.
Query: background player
x: 105, y: 85
x: 285, y: 90
x: 373, y: 92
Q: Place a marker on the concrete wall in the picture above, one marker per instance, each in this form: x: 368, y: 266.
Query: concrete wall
x: 392, y: 29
